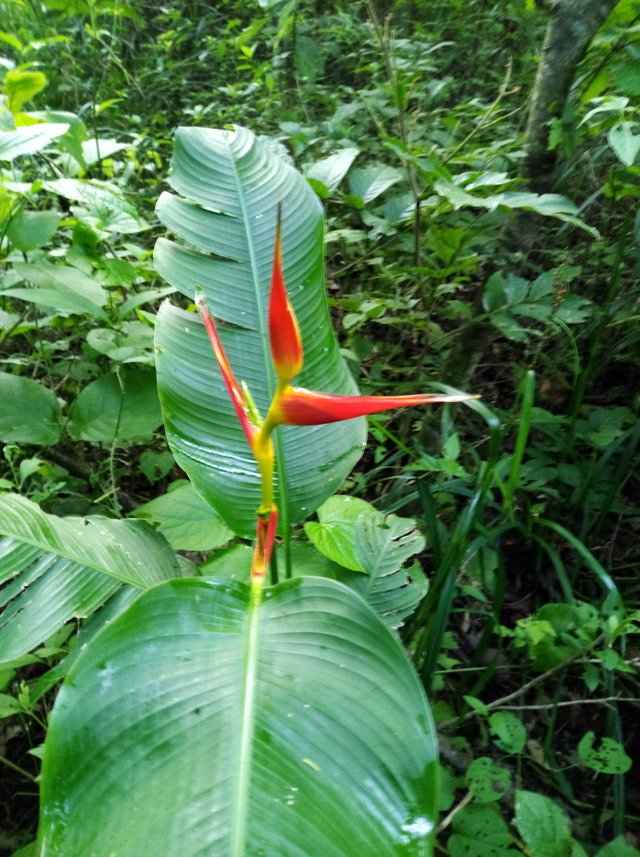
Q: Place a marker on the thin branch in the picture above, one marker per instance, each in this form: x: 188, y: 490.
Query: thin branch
x: 500, y: 703
x: 446, y: 821
x: 17, y: 769
x: 547, y: 706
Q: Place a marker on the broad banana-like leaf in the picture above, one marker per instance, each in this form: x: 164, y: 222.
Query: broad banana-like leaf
x: 204, y: 722
x: 130, y: 551
x: 229, y: 184
x: 42, y: 597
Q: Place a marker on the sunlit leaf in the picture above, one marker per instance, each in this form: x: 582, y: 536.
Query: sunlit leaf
x: 333, y: 533
x: 29, y: 139
x: 20, y: 86
x: 624, y: 142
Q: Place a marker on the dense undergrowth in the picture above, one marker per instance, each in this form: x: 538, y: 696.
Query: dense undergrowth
x: 442, y: 267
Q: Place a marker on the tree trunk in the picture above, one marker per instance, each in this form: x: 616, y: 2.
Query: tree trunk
x: 572, y: 26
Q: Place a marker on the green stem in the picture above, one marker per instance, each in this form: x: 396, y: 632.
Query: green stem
x: 17, y: 769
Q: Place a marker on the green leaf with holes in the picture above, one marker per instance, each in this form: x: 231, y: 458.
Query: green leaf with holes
x: 605, y: 756
x: 486, y: 780
x: 509, y: 733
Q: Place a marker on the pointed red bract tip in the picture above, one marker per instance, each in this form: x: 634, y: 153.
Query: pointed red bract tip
x: 234, y: 389
x: 299, y: 407
x: 284, y: 333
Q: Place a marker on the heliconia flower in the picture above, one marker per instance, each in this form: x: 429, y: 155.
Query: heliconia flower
x: 236, y: 393
x: 284, y: 333
x: 290, y: 405
x: 296, y: 406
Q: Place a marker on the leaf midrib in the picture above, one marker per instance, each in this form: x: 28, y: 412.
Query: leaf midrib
x: 281, y: 472
x: 238, y: 833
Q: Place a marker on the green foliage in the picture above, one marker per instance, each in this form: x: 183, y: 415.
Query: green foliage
x: 486, y: 781
x: 608, y: 758
x: 479, y: 831
x: 122, y: 405
x: 522, y: 509
x: 353, y: 535
x: 185, y: 520
x: 542, y: 825
x: 557, y: 632
x: 509, y: 733
x: 333, y: 534
x: 112, y: 547
x: 31, y: 412
x: 247, y: 628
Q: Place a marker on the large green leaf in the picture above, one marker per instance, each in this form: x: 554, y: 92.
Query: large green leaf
x: 230, y: 184
x: 30, y: 413
x: 205, y: 722
x: 130, y: 551
x: 60, y: 287
x: 185, y: 520
x: 29, y: 230
x: 121, y: 406
x: 547, y: 204
x: 103, y: 205
x: 40, y: 599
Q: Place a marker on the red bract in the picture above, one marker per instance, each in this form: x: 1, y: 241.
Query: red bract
x: 299, y: 407
x: 284, y: 333
x: 234, y: 389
